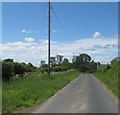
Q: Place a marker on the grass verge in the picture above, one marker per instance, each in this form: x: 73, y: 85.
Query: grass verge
x: 111, y: 78
x: 33, y: 89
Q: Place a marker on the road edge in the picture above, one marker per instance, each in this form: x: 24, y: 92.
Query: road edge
x: 57, y: 93
x: 107, y: 88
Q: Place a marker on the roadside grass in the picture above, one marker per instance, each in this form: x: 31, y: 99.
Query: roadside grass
x: 0, y: 97
x: 111, y: 78
x: 33, y: 89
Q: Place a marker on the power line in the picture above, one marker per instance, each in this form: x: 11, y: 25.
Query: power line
x: 60, y: 24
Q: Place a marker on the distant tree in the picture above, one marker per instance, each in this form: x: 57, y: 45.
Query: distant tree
x: 42, y: 63
x: 85, y: 57
x: 30, y: 67
x: 79, y: 64
x: 99, y: 63
x: 59, y: 59
x: 65, y: 64
x: 8, y: 60
x: 24, y: 63
x: 83, y: 63
x: 117, y: 59
x: 74, y: 58
x: 66, y: 60
x: 27, y: 68
x: 44, y: 68
x: 52, y: 61
x: 92, y: 66
x: 108, y: 66
x: 30, y: 64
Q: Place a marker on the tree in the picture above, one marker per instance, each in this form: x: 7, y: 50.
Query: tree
x: 42, y: 63
x: 30, y: 64
x: 30, y: 67
x: 7, y: 70
x: 8, y: 60
x: 20, y: 68
x: 66, y: 64
x: 74, y: 58
x: 83, y: 63
x: 52, y: 61
x: 79, y: 64
x: 44, y: 68
x: 66, y: 60
x: 92, y: 66
x: 85, y: 57
x: 59, y: 59
x: 117, y: 59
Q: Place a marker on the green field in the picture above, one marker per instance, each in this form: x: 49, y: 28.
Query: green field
x: 110, y: 77
x: 32, y: 89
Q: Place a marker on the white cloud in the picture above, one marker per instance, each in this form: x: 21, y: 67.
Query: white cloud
x: 23, y: 31
x: 26, y: 31
x: 54, y: 31
x: 97, y: 35
x: 29, y: 39
x: 99, y: 49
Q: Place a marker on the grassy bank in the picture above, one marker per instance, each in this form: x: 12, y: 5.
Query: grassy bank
x: 110, y: 77
x: 33, y: 89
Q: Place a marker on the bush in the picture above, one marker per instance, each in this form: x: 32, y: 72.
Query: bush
x: 20, y: 68
x: 7, y: 70
x: 56, y: 69
x: 8, y: 60
x: 10, y: 69
x: 106, y: 68
x: 110, y: 75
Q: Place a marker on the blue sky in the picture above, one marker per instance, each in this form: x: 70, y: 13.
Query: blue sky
x: 79, y: 19
x: 26, y: 23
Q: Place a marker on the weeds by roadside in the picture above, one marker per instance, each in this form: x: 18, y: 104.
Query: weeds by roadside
x: 33, y: 89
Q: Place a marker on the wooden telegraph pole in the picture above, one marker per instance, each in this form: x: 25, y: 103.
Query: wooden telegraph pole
x: 49, y: 37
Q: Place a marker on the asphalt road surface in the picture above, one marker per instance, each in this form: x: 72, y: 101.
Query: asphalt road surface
x: 86, y: 94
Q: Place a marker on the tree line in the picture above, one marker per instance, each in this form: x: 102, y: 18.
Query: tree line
x: 82, y: 63
x: 57, y: 64
x: 11, y: 68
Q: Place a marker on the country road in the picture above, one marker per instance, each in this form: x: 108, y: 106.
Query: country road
x: 84, y: 95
